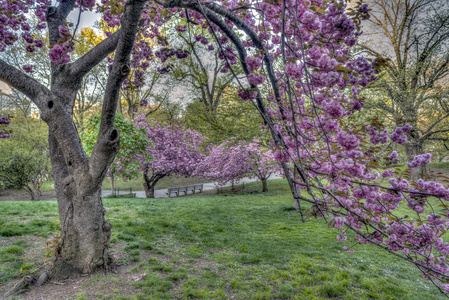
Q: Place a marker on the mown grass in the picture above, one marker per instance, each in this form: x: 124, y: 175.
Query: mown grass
x: 245, y: 245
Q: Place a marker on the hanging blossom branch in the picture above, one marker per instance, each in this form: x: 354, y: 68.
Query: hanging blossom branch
x: 308, y: 109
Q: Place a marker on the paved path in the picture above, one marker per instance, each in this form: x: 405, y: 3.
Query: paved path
x: 162, y: 193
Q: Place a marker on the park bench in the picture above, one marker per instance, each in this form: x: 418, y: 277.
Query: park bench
x: 199, y: 188
x: 182, y: 190
x: 172, y: 191
x: 190, y: 188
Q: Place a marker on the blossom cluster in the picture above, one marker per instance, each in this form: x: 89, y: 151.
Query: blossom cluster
x: 376, y: 138
x: 420, y: 160
x: 4, y: 121
x: 399, y: 136
x: 14, y: 19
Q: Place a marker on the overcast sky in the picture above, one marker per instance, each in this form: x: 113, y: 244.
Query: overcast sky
x: 87, y: 18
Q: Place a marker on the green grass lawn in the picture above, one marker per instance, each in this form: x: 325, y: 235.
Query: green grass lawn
x: 440, y: 165
x: 245, y: 245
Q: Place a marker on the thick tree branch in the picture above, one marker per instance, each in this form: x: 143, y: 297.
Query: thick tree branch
x: 108, y: 138
x: 24, y: 84
x: 428, y: 131
x: 89, y: 60
x: 55, y: 15
x: 229, y: 15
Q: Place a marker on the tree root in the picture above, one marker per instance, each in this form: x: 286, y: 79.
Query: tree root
x: 23, y: 285
x: 60, y: 270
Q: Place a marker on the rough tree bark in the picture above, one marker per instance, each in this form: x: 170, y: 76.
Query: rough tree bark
x: 83, y: 246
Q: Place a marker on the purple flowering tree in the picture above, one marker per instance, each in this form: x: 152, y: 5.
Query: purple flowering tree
x: 233, y: 160
x: 263, y: 163
x: 227, y: 162
x: 172, y: 150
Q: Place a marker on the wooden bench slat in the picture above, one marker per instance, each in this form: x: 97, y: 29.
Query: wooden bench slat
x: 190, y: 188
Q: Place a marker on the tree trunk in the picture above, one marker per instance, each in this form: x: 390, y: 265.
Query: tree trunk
x: 83, y: 245
x: 112, y: 185
x: 264, y: 185
x: 150, y: 182
x: 149, y: 189
x: 411, y: 150
x: 30, y: 191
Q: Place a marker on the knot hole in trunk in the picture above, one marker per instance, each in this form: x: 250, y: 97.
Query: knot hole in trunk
x: 124, y: 70
x: 114, y: 134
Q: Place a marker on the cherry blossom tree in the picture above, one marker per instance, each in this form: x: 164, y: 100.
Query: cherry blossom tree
x: 263, y: 163
x: 300, y: 76
x: 227, y: 162
x: 172, y: 150
x: 232, y: 160
x: 84, y: 244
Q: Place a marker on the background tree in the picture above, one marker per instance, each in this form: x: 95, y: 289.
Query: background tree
x: 204, y: 72
x: 133, y: 141
x: 233, y: 160
x: 233, y: 118
x: 411, y: 37
x: 227, y: 162
x: 172, y: 150
x: 24, y: 158
x: 263, y: 163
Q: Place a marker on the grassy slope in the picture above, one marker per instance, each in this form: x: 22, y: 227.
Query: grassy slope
x: 247, y: 245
